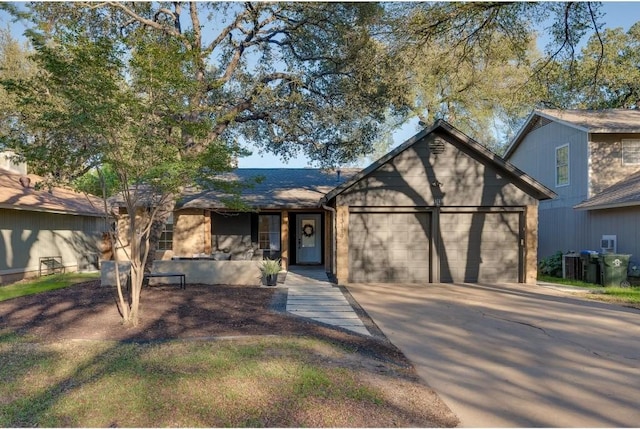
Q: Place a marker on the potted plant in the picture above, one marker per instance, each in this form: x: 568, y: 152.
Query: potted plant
x: 270, y: 269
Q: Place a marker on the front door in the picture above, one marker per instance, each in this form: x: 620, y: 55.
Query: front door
x: 309, y: 238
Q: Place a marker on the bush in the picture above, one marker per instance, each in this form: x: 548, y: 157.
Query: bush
x: 551, y: 266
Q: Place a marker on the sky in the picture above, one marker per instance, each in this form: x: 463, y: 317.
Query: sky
x: 617, y: 14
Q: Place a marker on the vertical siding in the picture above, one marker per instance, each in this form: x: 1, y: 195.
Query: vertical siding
x: 26, y: 236
x: 560, y: 226
x: 622, y: 222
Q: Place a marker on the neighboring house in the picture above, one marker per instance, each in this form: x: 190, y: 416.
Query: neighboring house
x: 35, y: 224
x: 438, y: 208
x: 591, y: 159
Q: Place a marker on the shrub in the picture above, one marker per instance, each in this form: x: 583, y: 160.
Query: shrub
x: 552, y: 265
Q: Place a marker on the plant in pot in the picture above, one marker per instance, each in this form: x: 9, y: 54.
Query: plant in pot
x: 270, y: 269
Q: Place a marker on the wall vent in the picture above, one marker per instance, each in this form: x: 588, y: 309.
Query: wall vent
x: 437, y: 146
x: 609, y: 244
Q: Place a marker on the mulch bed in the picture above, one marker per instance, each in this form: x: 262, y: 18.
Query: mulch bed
x: 88, y: 311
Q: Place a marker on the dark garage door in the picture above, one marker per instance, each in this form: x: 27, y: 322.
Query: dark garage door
x: 479, y: 247
x: 389, y: 247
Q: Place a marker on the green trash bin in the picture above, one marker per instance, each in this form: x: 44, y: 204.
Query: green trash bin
x: 614, y: 268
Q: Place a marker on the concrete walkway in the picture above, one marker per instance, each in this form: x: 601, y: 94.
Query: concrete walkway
x: 312, y: 295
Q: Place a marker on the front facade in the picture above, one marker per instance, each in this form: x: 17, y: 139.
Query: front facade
x: 584, y: 156
x: 438, y: 208
x: 41, y: 223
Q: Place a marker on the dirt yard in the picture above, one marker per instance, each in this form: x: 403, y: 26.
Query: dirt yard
x: 88, y: 311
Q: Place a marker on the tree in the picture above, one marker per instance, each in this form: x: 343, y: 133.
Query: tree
x: 162, y: 93
x: 476, y: 64
x: 607, y: 73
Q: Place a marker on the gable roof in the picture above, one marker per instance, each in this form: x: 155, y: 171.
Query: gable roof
x: 280, y: 188
x: 17, y: 192
x: 475, y: 149
x: 609, y: 121
x: 625, y: 193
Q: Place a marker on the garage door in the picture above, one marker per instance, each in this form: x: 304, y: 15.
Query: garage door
x: 389, y: 247
x: 479, y: 247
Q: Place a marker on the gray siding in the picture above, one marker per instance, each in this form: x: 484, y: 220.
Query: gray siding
x: 594, y: 165
x: 406, y: 180
x: 26, y: 236
x: 622, y: 222
x: 559, y: 226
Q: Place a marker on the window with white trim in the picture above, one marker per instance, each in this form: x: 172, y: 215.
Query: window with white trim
x: 562, y: 165
x: 269, y: 232
x: 630, y: 151
x: 166, y: 238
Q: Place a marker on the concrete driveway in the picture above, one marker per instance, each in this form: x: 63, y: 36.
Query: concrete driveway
x: 515, y: 355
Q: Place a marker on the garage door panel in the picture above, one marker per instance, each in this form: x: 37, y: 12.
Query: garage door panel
x: 479, y: 247
x: 389, y: 247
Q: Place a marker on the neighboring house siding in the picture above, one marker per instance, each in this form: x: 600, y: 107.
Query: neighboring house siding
x: 560, y: 226
x: 624, y: 223
x: 26, y: 236
x: 606, y: 166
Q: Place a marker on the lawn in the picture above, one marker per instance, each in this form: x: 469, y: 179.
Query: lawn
x: 249, y: 382
x: 619, y: 295
x: 43, y: 284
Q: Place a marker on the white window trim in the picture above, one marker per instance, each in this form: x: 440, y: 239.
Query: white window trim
x: 555, y: 166
x: 637, y: 141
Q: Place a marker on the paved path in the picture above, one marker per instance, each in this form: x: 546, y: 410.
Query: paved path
x: 515, y: 355
x: 312, y: 295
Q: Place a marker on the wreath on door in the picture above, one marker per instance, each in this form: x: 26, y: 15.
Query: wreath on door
x: 307, y: 230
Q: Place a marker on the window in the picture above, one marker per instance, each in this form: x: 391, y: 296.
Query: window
x: 630, y: 152
x: 269, y: 232
x: 166, y: 238
x: 562, y: 165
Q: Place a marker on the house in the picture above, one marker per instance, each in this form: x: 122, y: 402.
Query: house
x: 42, y: 223
x: 438, y: 208
x: 591, y: 159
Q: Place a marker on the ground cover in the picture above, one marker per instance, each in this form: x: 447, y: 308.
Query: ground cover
x: 201, y: 357
x: 627, y: 296
x: 43, y: 284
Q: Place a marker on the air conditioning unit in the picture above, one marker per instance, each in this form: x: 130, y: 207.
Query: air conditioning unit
x: 608, y: 244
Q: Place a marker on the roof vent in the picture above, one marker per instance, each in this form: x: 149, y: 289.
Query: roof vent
x: 436, y: 146
x: 24, y: 181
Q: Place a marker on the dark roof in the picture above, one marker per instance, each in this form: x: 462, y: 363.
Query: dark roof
x: 609, y: 121
x: 17, y: 192
x: 625, y: 193
x: 535, y: 188
x: 280, y: 188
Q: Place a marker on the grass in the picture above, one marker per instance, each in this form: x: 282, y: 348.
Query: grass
x: 619, y: 295
x: 43, y: 284
x: 268, y: 382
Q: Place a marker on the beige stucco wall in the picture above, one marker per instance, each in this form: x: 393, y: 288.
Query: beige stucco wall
x: 605, y: 161
x: 191, y: 232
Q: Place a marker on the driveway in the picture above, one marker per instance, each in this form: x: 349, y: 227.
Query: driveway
x: 515, y: 355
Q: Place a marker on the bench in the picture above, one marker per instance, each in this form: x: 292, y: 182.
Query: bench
x: 52, y: 264
x: 148, y: 276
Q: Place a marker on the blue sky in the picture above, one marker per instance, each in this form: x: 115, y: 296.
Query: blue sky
x: 617, y: 14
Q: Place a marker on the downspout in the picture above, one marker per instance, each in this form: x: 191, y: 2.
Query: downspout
x: 334, y: 226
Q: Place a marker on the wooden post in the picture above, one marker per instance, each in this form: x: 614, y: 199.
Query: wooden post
x: 342, y: 244
x: 531, y: 244
x: 284, y: 239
